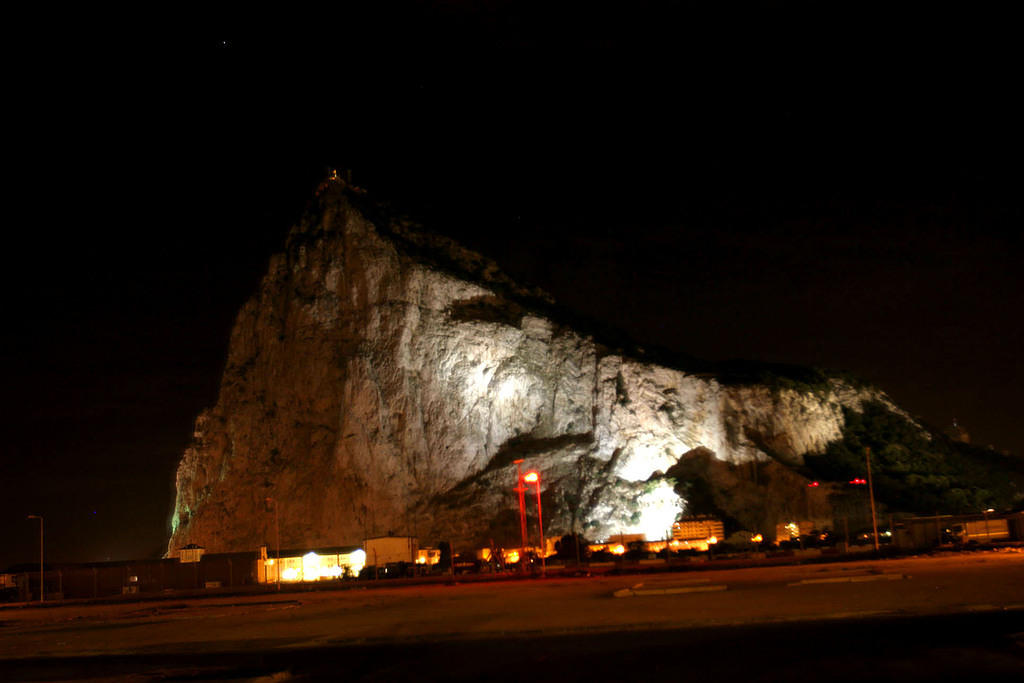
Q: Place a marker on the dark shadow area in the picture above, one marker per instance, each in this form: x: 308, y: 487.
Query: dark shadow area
x: 488, y: 309
x: 525, y: 445
x: 946, y: 647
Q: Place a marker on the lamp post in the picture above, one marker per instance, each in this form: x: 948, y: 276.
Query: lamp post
x: 533, y: 478
x: 871, y: 495
x: 520, y: 488
x: 277, y: 538
x: 988, y: 536
x: 42, y: 590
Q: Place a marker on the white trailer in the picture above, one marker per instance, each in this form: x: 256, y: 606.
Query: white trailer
x: 384, y: 550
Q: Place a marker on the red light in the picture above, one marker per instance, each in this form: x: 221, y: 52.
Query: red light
x: 531, y: 477
x: 858, y: 481
x: 813, y: 484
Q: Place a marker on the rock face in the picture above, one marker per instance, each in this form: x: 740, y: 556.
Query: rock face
x: 383, y: 379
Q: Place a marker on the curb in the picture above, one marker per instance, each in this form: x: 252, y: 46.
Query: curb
x: 851, y: 579
x: 634, y: 592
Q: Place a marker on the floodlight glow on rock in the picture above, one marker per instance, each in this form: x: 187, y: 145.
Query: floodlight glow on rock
x: 659, y: 508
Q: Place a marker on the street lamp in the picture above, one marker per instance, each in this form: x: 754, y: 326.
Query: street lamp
x: 277, y: 537
x: 871, y: 495
x: 532, y: 477
x: 521, y: 490
x: 42, y: 592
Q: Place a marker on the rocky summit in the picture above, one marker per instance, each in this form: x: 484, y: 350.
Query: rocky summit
x: 386, y: 379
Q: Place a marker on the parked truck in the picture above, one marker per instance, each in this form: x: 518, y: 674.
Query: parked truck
x: 980, y: 531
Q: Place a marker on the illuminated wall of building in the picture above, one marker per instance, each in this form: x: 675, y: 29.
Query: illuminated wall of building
x: 697, y: 529
x: 312, y: 567
x: 428, y: 556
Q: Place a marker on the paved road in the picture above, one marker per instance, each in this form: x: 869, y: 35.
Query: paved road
x: 914, y: 619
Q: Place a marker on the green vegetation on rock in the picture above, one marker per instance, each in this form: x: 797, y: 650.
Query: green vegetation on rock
x: 920, y: 471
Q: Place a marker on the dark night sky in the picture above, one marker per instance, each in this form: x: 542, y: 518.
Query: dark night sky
x: 832, y: 190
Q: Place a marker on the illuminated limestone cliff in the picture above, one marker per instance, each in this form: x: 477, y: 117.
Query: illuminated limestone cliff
x: 383, y: 379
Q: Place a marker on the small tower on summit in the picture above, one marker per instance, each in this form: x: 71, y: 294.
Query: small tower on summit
x: 958, y: 433
x: 339, y: 176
